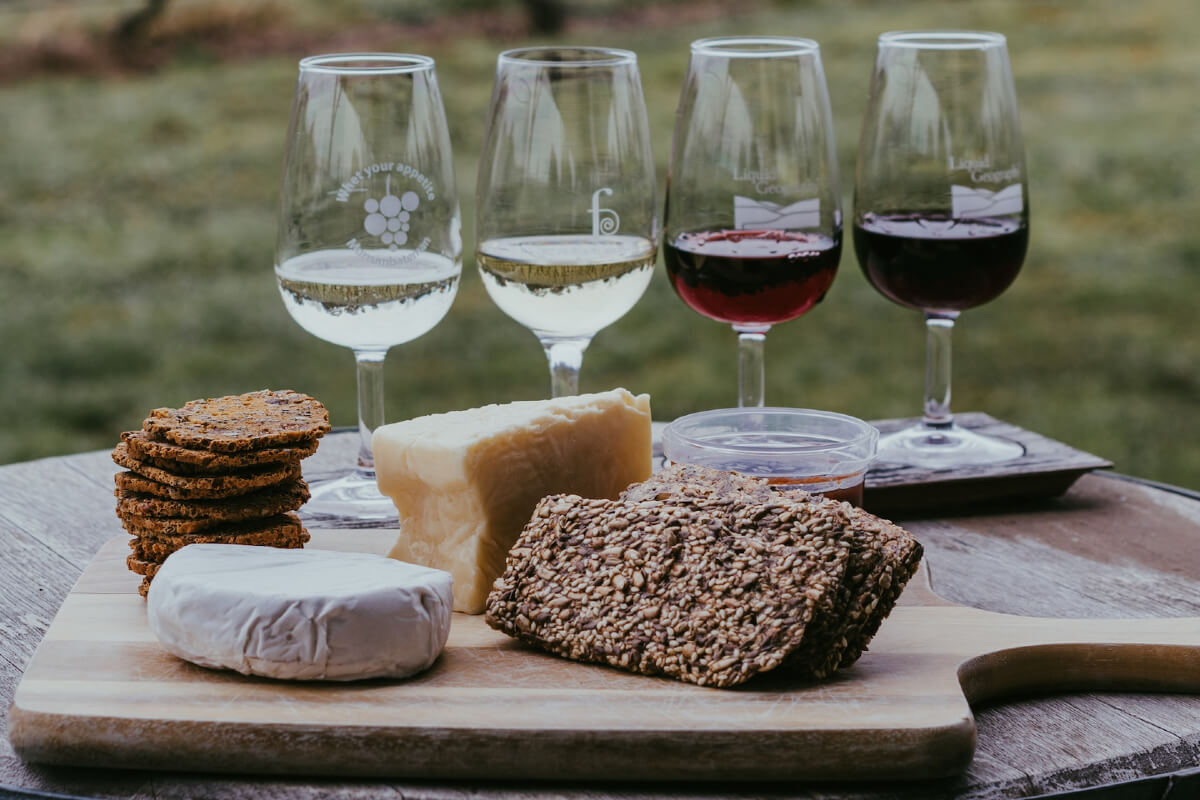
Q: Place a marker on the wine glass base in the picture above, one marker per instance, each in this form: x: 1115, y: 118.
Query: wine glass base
x: 351, y: 498
x: 945, y: 448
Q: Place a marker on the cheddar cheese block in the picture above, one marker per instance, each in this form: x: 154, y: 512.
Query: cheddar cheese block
x: 466, y: 482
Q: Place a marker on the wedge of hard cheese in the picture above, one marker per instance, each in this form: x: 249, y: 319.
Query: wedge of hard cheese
x: 466, y: 482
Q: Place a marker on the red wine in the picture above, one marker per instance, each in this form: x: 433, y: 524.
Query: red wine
x: 934, y: 263
x: 752, y: 277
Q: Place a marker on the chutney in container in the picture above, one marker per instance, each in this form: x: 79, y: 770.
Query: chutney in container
x: 822, y: 452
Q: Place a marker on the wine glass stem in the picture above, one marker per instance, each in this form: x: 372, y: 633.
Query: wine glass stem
x: 751, y: 370
x: 566, y: 357
x: 370, y: 405
x: 938, y: 330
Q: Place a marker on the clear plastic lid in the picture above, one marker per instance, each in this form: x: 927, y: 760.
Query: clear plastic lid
x: 773, y: 442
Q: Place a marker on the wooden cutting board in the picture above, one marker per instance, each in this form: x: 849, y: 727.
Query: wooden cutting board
x: 100, y: 692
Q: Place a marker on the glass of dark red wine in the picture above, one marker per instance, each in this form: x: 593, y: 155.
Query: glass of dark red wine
x: 753, y: 215
x: 941, y: 213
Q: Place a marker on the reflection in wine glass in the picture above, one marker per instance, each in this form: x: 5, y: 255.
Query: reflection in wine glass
x: 753, y: 219
x: 369, y: 247
x: 941, y: 218
x: 566, y: 217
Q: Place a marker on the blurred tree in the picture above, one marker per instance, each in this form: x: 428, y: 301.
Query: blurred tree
x: 134, y: 25
x: 546, y: 16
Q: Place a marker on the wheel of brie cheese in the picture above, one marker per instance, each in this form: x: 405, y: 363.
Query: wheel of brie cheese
x: 300, y: 614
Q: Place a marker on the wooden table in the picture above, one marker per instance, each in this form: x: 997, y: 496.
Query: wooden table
x: 1109, y: 547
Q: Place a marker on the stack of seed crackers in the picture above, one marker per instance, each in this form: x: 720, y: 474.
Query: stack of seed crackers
x: 225, y: 470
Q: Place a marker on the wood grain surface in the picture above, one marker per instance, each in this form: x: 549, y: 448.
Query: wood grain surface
x: 1108, y: 547
x: 101, y: 692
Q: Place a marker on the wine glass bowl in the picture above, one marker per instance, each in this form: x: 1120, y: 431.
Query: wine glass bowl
x: 753, y: 226
x: 566, y: 214
x: 369, y: 249
x: 937, y: 265
x: 941, y: 218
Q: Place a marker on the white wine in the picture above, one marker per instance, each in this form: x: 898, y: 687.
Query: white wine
x: 566, y: 285
x: 363, y: 303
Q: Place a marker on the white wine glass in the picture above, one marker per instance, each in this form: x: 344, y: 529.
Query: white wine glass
x: 753, y: 215
x: 369, y: 247
x: 566, y: 216
x: 941, y: 209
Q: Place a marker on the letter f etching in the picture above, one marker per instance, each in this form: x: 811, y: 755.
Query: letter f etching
x: 605, y: 221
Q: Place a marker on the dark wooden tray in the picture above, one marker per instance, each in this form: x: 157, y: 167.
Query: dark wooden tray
x: 1047, y: 469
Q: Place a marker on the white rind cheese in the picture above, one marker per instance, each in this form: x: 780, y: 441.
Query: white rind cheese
x: 299, y: 614
x: 466, y: 482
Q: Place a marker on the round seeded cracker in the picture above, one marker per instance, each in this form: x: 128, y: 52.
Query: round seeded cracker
x: 196, y: 461
x: 284, y: 530
x: 139, y: 525
x: 160, y: 483
x: 237, y: 423
x: 141, y: 566
x: 262, y: 503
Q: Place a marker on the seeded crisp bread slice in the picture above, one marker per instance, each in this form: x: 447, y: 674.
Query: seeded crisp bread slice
x: 237, y: 423
x: 191, y: 460
x: 212, y: 486
x: 876, y: 577
x: 689, y: 480
x: 704, y: 592
x: 142, y: 567
x: 158, y: 550
x: 148, y: 555
x: 283, y: 530
x: 139, y: 525
x: 133, y: 482
x: 882, y: 560
x: 262, y: 503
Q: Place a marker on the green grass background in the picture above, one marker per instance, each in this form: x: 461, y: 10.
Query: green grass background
x: 137, y: 223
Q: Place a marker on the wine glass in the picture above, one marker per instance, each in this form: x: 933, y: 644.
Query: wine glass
x: 369, y: 247
x: 941, y: 214
x: 566, y: 216
x: 753, y: 215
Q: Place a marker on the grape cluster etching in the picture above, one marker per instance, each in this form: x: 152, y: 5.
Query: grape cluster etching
x: 389, y: 217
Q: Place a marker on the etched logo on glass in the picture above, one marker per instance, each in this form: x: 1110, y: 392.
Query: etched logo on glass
x: 389, y: 217
x: 749, y: 213
x: 971, y: 202
x: 388, y: 236
x: 605, y: 221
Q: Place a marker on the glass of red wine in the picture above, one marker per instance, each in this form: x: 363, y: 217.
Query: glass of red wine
x: 941, y: 213
x: 753, y: 214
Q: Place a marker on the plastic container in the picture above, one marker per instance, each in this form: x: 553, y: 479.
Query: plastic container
x: 817, y: 451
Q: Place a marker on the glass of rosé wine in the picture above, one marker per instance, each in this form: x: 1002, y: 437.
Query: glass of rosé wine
x: 753, y: 221
x: 941, y: 211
